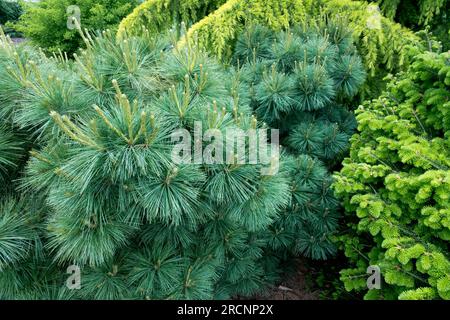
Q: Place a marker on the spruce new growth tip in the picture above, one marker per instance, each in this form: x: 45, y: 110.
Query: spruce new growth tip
x: 396, y: 185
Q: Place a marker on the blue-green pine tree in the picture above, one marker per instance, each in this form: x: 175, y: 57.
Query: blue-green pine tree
x: 302, y: 81
x: 100, y: 189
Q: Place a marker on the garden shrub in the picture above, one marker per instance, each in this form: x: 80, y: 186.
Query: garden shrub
x: 45, y: 22
x: 302, y: 81
x: 102, y: 191
x: 217, y: 32
x: 418, y: 15
x: 11, y: 152
x: 9, y: 11
x: 13, y: 141
x: 159, y: 15
x: 396, y: 185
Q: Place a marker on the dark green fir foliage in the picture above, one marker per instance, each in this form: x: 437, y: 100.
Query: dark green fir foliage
x: 417, y: 15
x: 101, y: 190
x: 301, y: 81
x: 396, y: 184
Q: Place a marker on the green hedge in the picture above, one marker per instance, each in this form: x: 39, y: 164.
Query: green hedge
x: 45, y: 23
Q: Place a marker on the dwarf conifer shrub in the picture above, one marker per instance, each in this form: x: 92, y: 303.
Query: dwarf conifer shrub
x: 395, y: 186
x: 13, y: 141
x: 380, y: 41
x: 101, y: 191
x: 420, y: 15
x: 12, y: 151
x: 425, y: 10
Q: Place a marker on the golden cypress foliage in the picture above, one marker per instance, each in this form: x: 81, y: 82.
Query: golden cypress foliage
x: 217, y: 31
x: 157, y: 15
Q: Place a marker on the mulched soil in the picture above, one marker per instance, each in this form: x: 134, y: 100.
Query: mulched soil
x: 294, y: 287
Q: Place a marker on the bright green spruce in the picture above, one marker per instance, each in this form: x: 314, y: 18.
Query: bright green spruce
x: 396, y: 186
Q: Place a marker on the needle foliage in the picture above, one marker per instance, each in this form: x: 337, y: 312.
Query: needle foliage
x: 302, y: 81
x: 101, y: 189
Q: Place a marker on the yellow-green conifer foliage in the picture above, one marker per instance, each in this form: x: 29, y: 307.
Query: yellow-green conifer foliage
x: 157, y: 15
x: 217, y: 32
x: 381, y: 42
